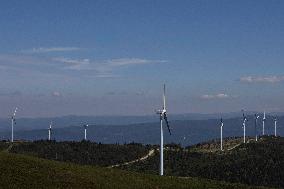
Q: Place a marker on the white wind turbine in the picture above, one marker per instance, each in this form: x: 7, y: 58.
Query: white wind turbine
x: 244, y: 125
x: 263, y: 123
x: 221, y: 127
x: 163, y: 116
x: 13, y: 118
x: 275, y: 126
x: 85, y: 129
x: 255, y: 125
x: 49, y: 131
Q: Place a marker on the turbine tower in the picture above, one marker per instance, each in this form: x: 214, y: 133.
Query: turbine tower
x: 222, y: 124
x: 85, y: 128
x: 244, y: 125
x: 13, y: 123
x: 275, y: 126
x: 255, y: 125
x: 263, y: 123
x: 49, y: 131
x: 163, y: 116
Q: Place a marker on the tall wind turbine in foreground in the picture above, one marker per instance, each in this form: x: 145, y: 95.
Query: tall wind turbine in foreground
x: 244, y: 125
x: 275, y: 126
x: 263, y: 123
x: 13, y: 123
x: 85, y: 129
x: 49, y: 131
x: 222, y: 124
x: 255, y: 125
x: 163, y: 115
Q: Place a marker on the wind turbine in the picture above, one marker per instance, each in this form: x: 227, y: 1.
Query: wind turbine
x: 222, y: 124
x: 13, y: 123
x: 244, y: 125
x: 85, y: 128
x: 163, y: 116
x: 255, y: 125
x: 263, y: 123
x: 49, y: 131
x: 275, y: 126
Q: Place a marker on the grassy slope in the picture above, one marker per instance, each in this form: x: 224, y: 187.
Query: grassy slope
x: 20, y: 171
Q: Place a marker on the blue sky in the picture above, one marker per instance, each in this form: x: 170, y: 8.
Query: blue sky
x: 112, y: 57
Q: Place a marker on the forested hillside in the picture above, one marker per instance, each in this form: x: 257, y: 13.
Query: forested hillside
x: 254, y: 163
x: 84, y: 152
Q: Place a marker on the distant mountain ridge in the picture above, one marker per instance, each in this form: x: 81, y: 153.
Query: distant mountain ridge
x: 73, y: 120
x: 185, y: 132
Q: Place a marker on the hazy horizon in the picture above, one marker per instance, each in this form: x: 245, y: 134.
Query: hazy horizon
x: 217, y: 114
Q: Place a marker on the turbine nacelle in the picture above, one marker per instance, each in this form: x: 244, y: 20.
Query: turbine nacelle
x: 245, y: 119
x: 161, y: 112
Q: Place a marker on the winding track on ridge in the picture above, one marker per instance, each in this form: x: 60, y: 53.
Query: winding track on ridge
x: 234, y: 147
x: 150, y: 153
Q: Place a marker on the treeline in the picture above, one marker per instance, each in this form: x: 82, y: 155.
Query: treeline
x: 259, y: 163
x: 84, y: 152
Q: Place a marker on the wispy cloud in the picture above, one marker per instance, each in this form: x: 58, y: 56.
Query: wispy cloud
x: 262, y: 79
x: 131, y: 61
x: 50, y: 49
x: 102, y: 68
x: 68, y: 66
x: 217, y: 96
x: 75, y: 64
x: 123, y: 93
x: 56, y: 94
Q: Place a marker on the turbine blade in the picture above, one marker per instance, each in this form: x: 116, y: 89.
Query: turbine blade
x: 167, y: 123
x: 15, y: 111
